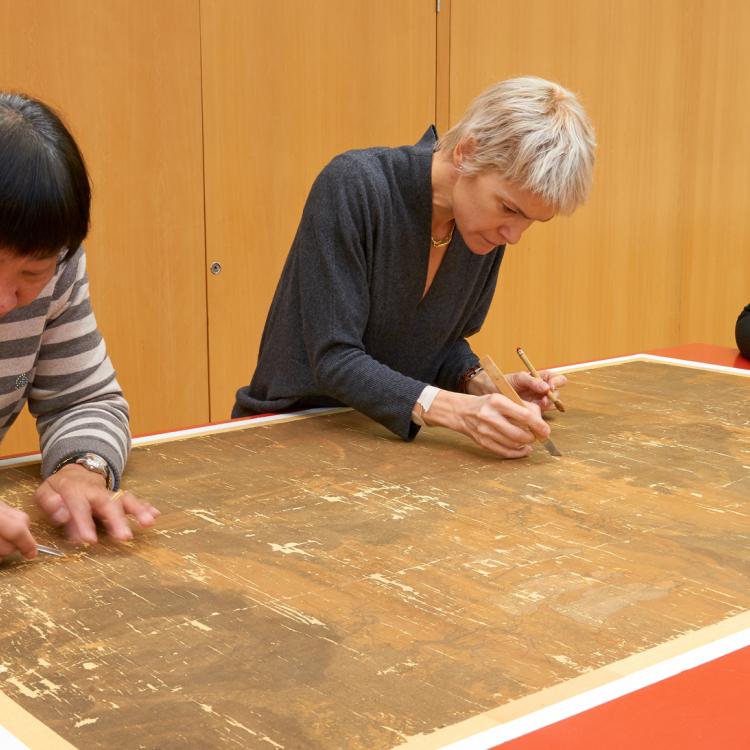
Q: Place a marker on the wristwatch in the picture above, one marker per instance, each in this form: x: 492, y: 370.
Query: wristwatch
x: 93, y: 462
x: 468, y: 376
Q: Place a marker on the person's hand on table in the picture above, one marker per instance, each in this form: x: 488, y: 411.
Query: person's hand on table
x: 492, y: 421
x: 75, y: 498
x: 15, y: 533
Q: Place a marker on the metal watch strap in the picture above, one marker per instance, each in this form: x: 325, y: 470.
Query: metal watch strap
x: 92, y: 462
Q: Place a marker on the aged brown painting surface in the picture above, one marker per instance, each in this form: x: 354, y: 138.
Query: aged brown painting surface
x: 321, y: 584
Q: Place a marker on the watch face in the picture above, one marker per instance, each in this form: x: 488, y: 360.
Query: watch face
x: 94, y: 463
x: 97, y: 464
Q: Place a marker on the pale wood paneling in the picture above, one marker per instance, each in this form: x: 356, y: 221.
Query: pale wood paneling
x: 657, y: 257
x: 287, y: 86
x: 22, y: 437
x: 716, y: 277
x: 443, y: 64
x: 610, y: 279
x: 126, y: 76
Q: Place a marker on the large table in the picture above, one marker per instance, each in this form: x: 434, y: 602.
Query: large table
x: 314, y: 582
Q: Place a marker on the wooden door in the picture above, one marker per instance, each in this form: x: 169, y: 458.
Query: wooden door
x: 125, y: 74
x: 287, y: 86
x: 659, y: 255
x: 716, y: 262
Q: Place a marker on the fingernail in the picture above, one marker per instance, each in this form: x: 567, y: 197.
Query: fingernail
x: 59, y: 516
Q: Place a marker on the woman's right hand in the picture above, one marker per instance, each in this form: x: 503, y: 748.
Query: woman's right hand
x: 15, y: 533
x: 492, y: 421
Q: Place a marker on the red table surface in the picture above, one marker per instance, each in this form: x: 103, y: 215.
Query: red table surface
x: 704, y: 708
x: 710, y: 353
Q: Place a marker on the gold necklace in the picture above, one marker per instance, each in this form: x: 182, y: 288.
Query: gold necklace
x: 446, y: 240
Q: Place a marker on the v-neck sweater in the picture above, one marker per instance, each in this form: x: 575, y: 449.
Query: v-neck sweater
x: 349, y: 324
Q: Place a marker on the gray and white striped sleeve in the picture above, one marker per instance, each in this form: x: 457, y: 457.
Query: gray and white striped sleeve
x: 74, y: 395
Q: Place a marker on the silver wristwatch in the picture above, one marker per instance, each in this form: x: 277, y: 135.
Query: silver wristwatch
x: 93, y: 462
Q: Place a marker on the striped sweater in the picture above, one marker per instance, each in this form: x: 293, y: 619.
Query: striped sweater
x: 53, y: 356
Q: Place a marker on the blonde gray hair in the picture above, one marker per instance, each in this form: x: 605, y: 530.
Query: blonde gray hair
x: 535, y: 133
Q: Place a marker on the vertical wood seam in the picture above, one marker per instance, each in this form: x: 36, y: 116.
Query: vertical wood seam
x: 442, y: 65
x: 209, y: 400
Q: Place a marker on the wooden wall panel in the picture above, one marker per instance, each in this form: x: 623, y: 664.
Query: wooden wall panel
x: 611, y: 279
x: 656, y: 258
x: 716, y: 271
x: 22, y: 437
x: 443, y: 67
x: 286, y: 87
x: 126, y: 76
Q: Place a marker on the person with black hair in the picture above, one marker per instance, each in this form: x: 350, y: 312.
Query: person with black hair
x: 742, y: 332
x: 51, y: 354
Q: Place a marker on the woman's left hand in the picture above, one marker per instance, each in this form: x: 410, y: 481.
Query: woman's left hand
x: 75, y: 498
x: 534, y: 390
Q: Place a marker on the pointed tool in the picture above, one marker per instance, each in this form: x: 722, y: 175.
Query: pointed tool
x: 49, y: 551
x: 502, y: 384
x: 17, y: 557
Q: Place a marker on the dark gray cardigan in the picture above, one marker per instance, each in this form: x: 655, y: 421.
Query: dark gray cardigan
x: 348, y: 324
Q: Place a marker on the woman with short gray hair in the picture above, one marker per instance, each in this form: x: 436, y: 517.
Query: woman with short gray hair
x: 535, y: 134
x: 395, y: 262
